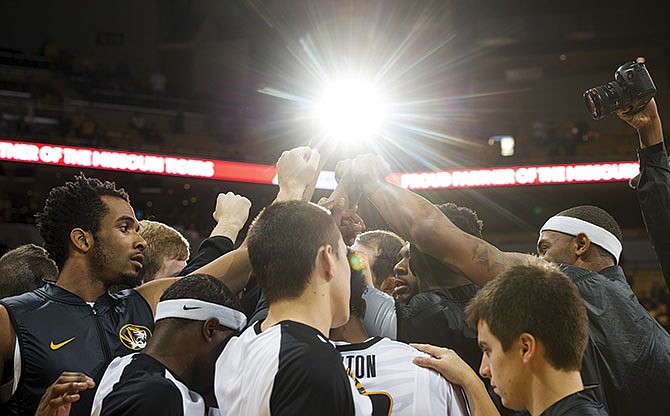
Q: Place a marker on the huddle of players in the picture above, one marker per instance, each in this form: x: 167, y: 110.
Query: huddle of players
x: 554, y: 342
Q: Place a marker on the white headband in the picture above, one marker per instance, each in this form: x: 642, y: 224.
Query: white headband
x: 597, y: 235
x: 199, y: 310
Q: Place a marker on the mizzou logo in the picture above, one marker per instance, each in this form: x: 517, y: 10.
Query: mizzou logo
x: 134, y: 337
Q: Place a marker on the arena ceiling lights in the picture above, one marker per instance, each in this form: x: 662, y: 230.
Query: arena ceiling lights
x: 349, y: 111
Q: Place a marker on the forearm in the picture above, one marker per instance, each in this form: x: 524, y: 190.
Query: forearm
x: 652, y: 133
x: 423, y: 224
x: 233, y: 269
x: 290, y: 194
x: 223, y: 229
x: 479, y: 402
x: 210, y: 249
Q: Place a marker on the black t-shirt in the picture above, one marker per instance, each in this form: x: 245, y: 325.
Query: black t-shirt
x: 582, y: 403
x: 438, y: 318
x: 138, y: 385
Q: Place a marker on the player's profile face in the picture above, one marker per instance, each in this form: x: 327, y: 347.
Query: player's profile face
x: 556, y: 247
x: 341, y: 290
x: 406, y: 282
x: 503, y: 368
x: 117, y: 249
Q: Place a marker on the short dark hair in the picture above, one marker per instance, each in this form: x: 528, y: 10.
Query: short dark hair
x: 283, y: 243
x: 539, y: 299
x: 388, y: 245
x: 596, y: 216
x: 76, y: 204
x: 357, y: 287
x: 427, y: 267
x: 201, y: 287
x: 24, y: 269
x: 463, y: 217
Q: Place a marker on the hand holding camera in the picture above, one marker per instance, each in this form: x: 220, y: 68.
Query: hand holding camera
x: 630, y: 91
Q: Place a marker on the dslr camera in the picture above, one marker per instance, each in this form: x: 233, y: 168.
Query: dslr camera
x: 630, y: 91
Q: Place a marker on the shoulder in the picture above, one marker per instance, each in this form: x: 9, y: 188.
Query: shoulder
x: 306, y: 357
x: 24, y: 299
x: 301, y: 345
x: 583, y: 403
x: 150, y: 394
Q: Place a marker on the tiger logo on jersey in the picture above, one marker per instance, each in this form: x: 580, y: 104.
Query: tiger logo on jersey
x: 134, y: 337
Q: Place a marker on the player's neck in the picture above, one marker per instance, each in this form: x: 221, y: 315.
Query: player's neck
x: 303, y: 309
x: 173, y: 356
x: 76, y: 278
x: 551, y: 386
x: 352, y: 332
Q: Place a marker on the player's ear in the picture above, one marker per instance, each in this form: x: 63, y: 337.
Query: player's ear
x: 527, y: 346
x: 81, y: 240
x: 326, y: 261
x: 209, y: 328
x: 582, y: 244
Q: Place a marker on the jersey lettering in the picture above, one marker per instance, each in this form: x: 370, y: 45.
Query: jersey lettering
x: 361, y: 366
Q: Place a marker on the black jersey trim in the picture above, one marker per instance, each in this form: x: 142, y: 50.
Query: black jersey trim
x: 359, y: 346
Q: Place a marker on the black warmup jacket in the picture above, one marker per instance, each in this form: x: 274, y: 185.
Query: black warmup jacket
x: 628, y: 354
x: 653, y: 192
x: 57, y: 331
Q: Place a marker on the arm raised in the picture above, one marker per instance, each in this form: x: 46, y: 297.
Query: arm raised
x: 417, y: 220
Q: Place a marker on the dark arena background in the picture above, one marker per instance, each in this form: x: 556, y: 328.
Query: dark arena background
x: 179, y: 100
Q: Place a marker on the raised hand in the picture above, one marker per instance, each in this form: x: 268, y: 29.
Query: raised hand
x: 369, y: 171
x: 230, y: 214
x: 296, y: 170
x: 348, y: 221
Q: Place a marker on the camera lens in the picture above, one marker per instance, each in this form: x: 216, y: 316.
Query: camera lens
x: 603, y: 100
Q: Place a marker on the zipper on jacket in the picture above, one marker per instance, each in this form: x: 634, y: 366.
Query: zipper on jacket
x: 103, y: 339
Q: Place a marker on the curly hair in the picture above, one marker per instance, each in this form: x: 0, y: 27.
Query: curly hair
x: 463, y: 217
x: 76, y: 204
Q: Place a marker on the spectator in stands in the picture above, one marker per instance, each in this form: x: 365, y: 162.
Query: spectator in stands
x: 157, y: 82
x: 586, y: 242
x: 532, y: 352
x: 87, y: 129
x: 179, y: 121
x: 138, y: 122
x: 25, y: 268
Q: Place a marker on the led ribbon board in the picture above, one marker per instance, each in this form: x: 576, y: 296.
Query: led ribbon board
x: 518, y: 175
x: 81, y: 157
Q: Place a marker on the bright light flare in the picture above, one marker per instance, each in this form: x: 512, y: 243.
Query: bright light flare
x: 350, y: 111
